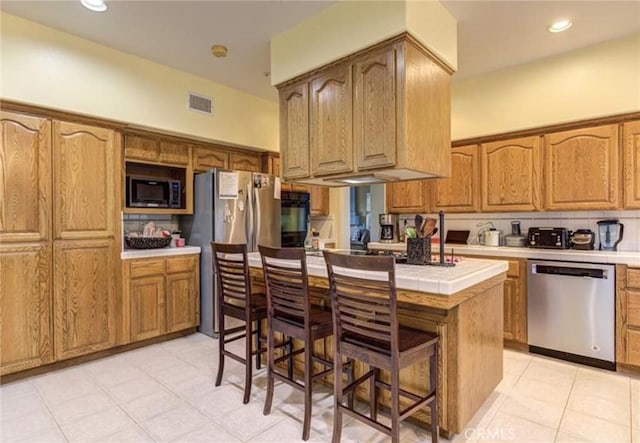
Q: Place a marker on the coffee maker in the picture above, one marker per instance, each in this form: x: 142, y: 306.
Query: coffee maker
x: 388, y: 228
x: 610, y: 234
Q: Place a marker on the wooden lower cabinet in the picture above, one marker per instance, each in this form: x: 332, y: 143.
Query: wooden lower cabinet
x: 84, y: 296
x: 162, y: 295
x: 628, y: 316
x: 25, y: 307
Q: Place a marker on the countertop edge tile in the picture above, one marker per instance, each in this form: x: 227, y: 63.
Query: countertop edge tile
x: 129, y: 254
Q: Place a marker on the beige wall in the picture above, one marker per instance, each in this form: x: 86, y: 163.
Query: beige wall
x: 592, y: 82
x: 349, y: 26
x: 54, y: 69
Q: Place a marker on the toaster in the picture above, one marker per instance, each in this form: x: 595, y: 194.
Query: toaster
x: 548, y: 238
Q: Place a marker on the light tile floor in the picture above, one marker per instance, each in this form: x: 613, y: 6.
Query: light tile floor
x: 166, y: 392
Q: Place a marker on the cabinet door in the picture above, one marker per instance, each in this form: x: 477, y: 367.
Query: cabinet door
x: 581, y: 169
x: 85, y: 181
x: 294, y: 130
x: 632, y: 165
x: 147, y: 307
x: 137, y: 147
x: 174, y: 153
x: 511, y: 175
x: 241, y: 161
x: 319, y: 200
x: 85, y: 286
x: 25, y: 307
x: 25, y: 178
x: 181, y: 301
x: 374, y: 109
x: 408, y: 197
x: 331, y: 121
x: 206, y: 158
x: 461, y: 191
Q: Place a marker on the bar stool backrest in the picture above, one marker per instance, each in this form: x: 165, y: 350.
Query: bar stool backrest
x: 232, y: 273
x: 285, y: 276
x: 363, y: 300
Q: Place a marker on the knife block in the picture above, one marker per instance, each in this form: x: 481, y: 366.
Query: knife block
x: 419, y: 251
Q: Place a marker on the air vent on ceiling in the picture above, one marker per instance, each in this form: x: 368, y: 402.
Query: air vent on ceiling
x: 200, y: 103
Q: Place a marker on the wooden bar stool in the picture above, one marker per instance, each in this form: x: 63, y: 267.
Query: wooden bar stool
x: 365, y: 319
x: 236, y: 300
x: 291, y: 312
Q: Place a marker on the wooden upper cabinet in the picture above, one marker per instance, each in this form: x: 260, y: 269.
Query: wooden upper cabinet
x: 331, y: 121
x: 138, y: 147
x: 582, y: 169
x: 85, y: 291
x: 319, y: 200
x: 632, y: 165
x: 294, y: 130
x: 461, y: 191
x: 408, y: 197
x: 25, y: 178
x: 271, y: 163
x: 374, y: 109
x: 85, y: 181
x: 512, y: 175
x: 242, y: 161
x: 174, y: 153
x: 208, y: 158
x: 25, y: 306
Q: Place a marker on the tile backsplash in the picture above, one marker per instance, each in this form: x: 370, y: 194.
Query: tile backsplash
x: 571, y: 220
x: 136, y: 222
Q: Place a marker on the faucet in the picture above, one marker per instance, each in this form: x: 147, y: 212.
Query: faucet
x: 485, y: 226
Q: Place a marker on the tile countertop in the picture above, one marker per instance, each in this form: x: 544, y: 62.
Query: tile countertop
x: 432, y: 279
x: 128, y: 254
x: 595, y: 256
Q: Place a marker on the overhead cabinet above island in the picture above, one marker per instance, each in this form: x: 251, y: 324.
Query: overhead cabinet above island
x: 381, y: 114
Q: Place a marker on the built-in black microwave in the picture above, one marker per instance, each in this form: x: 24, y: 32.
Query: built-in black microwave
x: 152, y: 192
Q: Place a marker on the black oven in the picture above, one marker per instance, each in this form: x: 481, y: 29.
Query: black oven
x: 294, y: 218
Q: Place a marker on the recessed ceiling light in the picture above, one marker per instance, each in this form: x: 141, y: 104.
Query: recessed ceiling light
x: 560, y: 25
x: 94, y: 5
x: 219, y: 50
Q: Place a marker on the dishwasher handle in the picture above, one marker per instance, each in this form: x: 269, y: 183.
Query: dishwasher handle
x: 569, y: 271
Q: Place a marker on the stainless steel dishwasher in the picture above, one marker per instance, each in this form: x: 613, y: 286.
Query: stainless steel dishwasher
x: 571, y: 311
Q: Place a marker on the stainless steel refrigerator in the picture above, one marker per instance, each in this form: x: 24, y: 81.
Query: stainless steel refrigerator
x: 229, y: 207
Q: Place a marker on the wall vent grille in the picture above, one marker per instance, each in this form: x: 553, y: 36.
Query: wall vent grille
x: 200, y: 103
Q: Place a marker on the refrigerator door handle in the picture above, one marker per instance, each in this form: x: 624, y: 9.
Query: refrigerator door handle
x: 256, y: 216
x: 250, y: 216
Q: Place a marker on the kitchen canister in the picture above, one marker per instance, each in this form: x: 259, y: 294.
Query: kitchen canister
x: 492, y: 238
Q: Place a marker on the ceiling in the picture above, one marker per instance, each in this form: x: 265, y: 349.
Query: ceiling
x: 491, y: 34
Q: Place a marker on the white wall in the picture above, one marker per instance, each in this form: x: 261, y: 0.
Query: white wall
x: 46, y: 67
x: 591, y: 82
x: 349, y: 26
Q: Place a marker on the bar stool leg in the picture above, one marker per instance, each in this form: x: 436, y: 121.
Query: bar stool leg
x: 258, y: 353
x: 308, y: 380
x: 221, y: 339
x: 248, y: 347
x: 270, y: 380
x: 337, y: 399
x: 395, y: 405
x: 373, y: 394
x: 433, y: 386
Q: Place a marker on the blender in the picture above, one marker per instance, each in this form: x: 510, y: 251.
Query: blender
x: 610, y: 234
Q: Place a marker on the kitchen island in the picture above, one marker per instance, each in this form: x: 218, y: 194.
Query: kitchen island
x: 463, y: 304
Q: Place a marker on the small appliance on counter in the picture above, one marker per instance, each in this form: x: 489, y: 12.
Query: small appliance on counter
x: 515, y: 239
x: 582, y: 239
x: 548, y: 238
x: 492, y: 237
x: 610, y: 234
x: 388, y: 228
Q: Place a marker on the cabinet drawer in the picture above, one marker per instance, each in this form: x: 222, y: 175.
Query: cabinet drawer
x: 633, y: 308
x: 514, y: 269
x: 633, y: 347
x: 142, y: 268
x: 180, y: 264
x: 633, y: 278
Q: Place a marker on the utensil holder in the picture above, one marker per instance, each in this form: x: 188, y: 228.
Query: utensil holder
x: 419, y: 251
